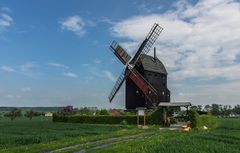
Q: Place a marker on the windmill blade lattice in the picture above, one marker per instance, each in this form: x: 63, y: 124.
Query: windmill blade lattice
x: 152, y: 37
x: 117, y: 85
x: 148, y: 42
x: 121, y: 54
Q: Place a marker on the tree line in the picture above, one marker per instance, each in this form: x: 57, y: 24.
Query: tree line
x: 17, y: 112
x: 219, y: 109
x: 214, y: 109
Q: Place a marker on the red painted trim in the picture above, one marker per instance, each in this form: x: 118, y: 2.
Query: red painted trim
x: 139, y: 82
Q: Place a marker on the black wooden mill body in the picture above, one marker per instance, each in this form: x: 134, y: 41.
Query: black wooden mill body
x: 153, y: 70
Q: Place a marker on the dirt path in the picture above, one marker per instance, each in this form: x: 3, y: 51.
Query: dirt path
x: 103, y: 143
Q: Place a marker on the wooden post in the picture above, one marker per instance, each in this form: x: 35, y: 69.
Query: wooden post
x: 144, y: 118
x: 137, y: 119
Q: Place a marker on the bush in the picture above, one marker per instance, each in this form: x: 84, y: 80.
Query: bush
x: 198, y: 121
x: 207, y: 120
x: 193, y: 117
x: 155, y: 117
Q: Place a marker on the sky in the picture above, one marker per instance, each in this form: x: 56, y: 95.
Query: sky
x: 56, y: 53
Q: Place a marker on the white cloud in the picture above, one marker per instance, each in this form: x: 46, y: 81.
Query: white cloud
x: 75, y: 24
x: 58, y: 65
x: 200, y: 40
x: 5, y: 19
x: 70, y: 74
x: 106, y: 20
x: 209, y: 94
x: 26, y: 67
x: 109, y: 75
x: 26, y: 89
x: 8, y: 69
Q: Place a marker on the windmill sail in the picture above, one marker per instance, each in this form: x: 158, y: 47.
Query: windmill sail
x: 148, y: 42
x: 117, y: 85
x: 121, y: 54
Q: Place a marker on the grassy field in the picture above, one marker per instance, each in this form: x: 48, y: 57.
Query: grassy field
x: 224, y: 139
x: 41, y: 135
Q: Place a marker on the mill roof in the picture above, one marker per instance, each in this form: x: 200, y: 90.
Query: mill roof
x: 153, y: 65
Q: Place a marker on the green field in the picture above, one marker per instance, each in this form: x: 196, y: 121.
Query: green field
x: 41, y: 135
x: 224, y: 139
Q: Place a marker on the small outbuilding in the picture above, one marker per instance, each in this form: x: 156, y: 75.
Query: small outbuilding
x: 48, y: 114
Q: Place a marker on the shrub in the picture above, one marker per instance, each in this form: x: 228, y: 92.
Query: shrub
x: 198, y: 121
x: 156, y: 117
x: 207, y: 120
x: 13, y: 113
x: 193, y: 117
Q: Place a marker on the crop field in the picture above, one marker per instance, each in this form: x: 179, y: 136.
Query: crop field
x: 224, y: 139
x: 42, y: 135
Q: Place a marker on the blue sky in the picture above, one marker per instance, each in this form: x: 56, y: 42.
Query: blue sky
x: 56, y: 53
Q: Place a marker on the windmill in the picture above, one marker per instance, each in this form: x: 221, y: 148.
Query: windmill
x: 145, y: 76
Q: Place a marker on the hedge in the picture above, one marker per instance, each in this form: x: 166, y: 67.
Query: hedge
x: 102, y: 119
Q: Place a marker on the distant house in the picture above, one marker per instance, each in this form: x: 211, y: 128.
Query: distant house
x: 48, y: 114
x: 114, y: 112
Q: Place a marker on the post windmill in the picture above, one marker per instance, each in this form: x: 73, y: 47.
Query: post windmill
x: 145, y: 76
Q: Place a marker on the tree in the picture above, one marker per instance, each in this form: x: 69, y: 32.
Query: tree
x: 30, y: 114
x: 85, y: 111
x: 208, y: 108
x: 68, y: 110
x: 236, y: 109
x: 13, y: 113
x: 226, y: 110
x: 194, y: 107
x: 215, y: 109
x: 199, y: 107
